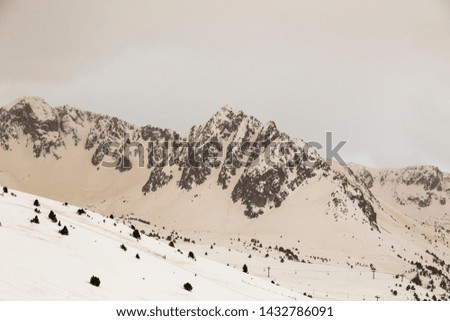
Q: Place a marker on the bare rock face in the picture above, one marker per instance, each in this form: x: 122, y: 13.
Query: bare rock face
x: 429, y: 177
x: 49, y: 130
x: 259, y: 164
x: 267, y: 183
x: 363, y: 175
x: 158, y: 178
x: 36, y: 120
x: 349, y: 199
x: 417, y: 186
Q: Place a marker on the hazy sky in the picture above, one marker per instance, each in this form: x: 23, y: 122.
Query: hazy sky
x: 374, y: 72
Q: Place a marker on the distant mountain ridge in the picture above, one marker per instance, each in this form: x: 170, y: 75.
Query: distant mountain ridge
x: 419, y: 187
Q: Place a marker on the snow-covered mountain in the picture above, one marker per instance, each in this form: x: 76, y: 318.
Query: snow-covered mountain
x: 260, y: 182
x: 285, y: 208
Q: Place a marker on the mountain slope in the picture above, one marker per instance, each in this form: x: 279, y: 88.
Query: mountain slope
x: 41, y: 264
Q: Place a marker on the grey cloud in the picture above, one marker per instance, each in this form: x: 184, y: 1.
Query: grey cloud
x: 376, y: 73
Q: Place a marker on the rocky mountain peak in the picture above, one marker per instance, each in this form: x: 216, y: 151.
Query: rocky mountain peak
x: 226, y: 114
x: 258, y: 165
x: 34, y: 107
x: 31, y: 108
x: 429, y: 177
x: 227, y: 124
x: 34, y: 120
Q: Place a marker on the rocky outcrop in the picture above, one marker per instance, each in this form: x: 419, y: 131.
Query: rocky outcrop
x: 419, y: 186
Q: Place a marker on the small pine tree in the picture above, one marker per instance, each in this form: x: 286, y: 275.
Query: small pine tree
x: 171, y: 244
x: 136, y: 234
x: 35, y: 220
x: 111, y: 216
x: 188, y: 287
x: 95, y: 281
x: 137, y: 256
x: 64, y: 231
x: 52, y: 217
x: 5, y: 189
x: 245, y: 268
x: 123, y: 247
x: 191, y: 255
x: 416, y: 280
x: 36, y: 203
x: 81, y: 211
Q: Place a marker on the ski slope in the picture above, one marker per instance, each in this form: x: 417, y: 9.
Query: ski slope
x: 38, y: 263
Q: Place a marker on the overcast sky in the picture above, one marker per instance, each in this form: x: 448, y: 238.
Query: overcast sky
x: 375, y: 72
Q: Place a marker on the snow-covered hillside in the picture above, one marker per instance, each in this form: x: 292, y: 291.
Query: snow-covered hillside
x: 39, y: 263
